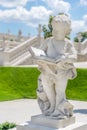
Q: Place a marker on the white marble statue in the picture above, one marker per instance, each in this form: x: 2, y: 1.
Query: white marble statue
x: 54, y: 76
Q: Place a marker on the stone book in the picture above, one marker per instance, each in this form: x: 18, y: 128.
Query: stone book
x: 40, y: 56
x: 36, y: 52
x: 47, y: 59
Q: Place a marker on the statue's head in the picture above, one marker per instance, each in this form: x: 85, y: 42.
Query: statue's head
x: 61, y: 26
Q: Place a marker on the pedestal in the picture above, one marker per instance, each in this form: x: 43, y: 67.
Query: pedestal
x: 52, y: 123
x: 41, y: 122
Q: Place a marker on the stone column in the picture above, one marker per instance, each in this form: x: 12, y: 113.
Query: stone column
x: 79, y: 44
x: 39, y: 33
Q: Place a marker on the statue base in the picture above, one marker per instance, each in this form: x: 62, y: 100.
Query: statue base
x: 40, y: 122
x: 52, y: 122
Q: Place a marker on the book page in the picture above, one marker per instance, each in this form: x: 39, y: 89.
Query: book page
x: 40, y: 55
x: 37, y: 52
x: 45, y: 59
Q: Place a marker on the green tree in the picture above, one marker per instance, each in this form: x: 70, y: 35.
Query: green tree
x: 76, y: 39
x: 83, y: 36
x: 47, y: 30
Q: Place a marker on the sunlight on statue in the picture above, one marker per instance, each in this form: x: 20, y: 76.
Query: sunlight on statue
x: 56, y: 68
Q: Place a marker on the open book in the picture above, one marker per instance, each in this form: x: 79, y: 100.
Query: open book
x: 36, y: 52
x: 40, y: 55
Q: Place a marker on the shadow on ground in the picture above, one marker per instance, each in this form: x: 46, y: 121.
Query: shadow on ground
x: 81, y: 111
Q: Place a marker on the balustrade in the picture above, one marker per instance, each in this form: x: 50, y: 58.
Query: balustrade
x: 18, y: 51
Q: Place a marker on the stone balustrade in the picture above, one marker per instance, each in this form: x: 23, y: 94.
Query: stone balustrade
x: 81, y: 51
x: 84, y: 45
x: 17, y: 52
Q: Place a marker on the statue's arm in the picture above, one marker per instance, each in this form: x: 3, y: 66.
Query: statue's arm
x: 70, y: 53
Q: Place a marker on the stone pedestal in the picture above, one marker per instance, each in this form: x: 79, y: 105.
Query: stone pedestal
x: 52, y: 123
x: 41, y: 122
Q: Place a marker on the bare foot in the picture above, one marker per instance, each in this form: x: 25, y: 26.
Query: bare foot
x: 49, y: 111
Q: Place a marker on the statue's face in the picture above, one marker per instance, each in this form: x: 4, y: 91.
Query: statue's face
x: 60, y: 29
x: 58, y: 34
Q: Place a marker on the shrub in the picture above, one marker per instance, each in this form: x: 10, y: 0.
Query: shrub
x: 7, y: 125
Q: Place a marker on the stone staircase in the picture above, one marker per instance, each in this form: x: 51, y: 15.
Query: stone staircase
x: 19, y: 55
x: 20, y: 60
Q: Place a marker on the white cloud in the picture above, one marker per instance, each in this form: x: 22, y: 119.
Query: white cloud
x: 13, y: 3
x: 83, y: 2
x: 79, y: 25
x: 13, y: 14
x: 58, y: 6
x: 85, y: 19
x: 35, y: 15
x: 31, y: 17
x: 39, y: 15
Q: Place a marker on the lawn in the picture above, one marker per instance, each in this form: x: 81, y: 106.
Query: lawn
x: 19, y: 82
x: 77, y: 88
x: 16, y: 83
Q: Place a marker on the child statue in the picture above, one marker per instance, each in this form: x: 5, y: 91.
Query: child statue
x: 53, y: 79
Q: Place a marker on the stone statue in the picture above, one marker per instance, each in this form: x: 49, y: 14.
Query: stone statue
x: 54, y: 76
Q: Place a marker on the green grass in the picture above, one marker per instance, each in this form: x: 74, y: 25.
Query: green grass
x: 17, y: 83
x: 77, y: 88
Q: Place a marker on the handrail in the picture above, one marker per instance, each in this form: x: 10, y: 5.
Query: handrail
x: 22, y: 44
x: 84, y: 51
x: 21, y: 48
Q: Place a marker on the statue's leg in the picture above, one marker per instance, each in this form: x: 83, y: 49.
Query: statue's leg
x: 50, y: 92
x: 60, y: 86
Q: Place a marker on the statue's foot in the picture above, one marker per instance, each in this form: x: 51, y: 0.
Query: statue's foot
x: 71, y: 114
x: 57, y: 114
x: 68, y: 109
x: 49, y: 111
x: 68, y: 114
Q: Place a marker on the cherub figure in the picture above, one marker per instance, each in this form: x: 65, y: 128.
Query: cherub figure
x: 54, y: 77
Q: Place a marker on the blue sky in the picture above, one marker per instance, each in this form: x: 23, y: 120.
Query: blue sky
x: 27, y: 14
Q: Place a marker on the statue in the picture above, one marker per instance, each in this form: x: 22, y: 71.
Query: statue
x: 56, y: 68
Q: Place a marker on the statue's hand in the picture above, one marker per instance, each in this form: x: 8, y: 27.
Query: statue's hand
x: 68, y: 58
x: 60, y: 58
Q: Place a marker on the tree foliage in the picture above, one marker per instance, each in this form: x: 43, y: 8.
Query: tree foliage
x: 76, y: 39
x: 83, y: 36
x: 47, y: 30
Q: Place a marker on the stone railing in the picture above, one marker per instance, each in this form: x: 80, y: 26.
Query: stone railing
x: 82, y: 56
x: 18, y: 53
x: 84, y: 45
